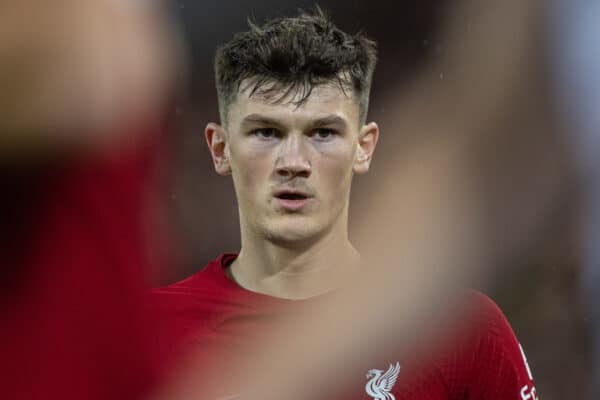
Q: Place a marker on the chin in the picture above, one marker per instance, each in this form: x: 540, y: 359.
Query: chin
x: 294, y: 236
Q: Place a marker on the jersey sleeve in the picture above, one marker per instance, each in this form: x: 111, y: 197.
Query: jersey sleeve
x: 500, y: 370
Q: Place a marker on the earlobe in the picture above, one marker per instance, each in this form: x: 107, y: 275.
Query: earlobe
x: 367, y: 140
x: 217, y: 144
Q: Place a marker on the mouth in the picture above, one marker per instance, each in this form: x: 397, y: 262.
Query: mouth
x: 292, y: 200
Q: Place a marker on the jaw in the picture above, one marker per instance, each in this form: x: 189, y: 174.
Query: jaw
x: 295, y: 231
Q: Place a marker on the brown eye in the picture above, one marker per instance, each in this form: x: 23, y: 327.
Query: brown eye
x: 323, y: 134
x: 265, y: 133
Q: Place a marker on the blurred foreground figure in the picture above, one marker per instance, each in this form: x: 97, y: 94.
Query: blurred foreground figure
x: 293, y: 99
x: 82, y: 83
x: 74, y: 72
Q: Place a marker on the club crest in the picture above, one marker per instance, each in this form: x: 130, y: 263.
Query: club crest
x: 379, y: 385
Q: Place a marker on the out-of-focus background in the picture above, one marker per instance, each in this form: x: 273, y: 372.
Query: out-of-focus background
x: 543, y: 300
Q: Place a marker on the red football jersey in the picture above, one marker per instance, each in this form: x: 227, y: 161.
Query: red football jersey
x: 212, y: 315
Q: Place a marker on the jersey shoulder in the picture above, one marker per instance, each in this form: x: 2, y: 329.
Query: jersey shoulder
x: 486, y: 316
x: 211, y: 278
x: 185, y: 310
x: 500, y: 367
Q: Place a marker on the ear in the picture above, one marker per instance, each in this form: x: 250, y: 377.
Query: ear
x: 367, y: 140
x: 217, y: 144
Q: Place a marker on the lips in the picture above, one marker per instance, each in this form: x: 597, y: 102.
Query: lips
x: 292, y: 199
x: 292, y: 194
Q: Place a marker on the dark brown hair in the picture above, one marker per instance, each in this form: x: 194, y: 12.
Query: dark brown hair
x: 290, y: 56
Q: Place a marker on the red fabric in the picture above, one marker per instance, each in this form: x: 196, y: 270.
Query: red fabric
x: 72, y: 323
x: 211, y: 314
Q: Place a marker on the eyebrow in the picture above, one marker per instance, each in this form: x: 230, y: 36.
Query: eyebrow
x: 330, y: 120
x: 261, y: 119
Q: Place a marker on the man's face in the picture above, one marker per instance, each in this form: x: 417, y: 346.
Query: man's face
x: 292, y: 166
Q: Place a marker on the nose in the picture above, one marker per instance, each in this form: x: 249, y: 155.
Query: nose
x: 293, y: 160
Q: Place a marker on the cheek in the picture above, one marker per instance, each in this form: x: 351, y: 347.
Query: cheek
x: 336, y: 173
x: 250, y: 171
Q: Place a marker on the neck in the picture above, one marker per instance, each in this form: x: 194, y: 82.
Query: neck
x: 295, y: 272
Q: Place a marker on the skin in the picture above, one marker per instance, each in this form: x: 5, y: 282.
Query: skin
x: 315, y: 148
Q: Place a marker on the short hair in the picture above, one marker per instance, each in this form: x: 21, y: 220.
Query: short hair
x: 292, y: 55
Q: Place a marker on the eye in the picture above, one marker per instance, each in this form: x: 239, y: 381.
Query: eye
x: 323, y: 134
x: 265, y: 133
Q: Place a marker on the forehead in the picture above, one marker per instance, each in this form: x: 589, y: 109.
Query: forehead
x: 324, y: 100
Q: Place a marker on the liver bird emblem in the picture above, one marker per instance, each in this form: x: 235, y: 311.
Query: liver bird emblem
x: 380, y: 383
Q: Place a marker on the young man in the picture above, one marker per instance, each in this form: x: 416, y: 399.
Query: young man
x: 293, y: 97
